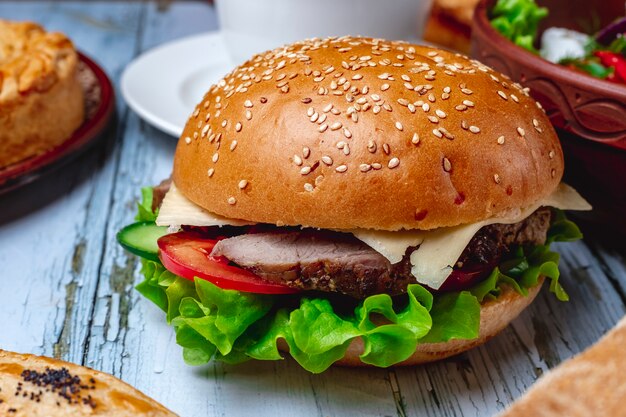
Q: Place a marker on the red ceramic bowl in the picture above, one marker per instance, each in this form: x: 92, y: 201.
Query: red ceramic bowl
x: 589, y: 113
x: 589, y: 107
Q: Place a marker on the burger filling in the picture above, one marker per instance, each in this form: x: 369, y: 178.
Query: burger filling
x: 339, y: 262
x: 232, y: 289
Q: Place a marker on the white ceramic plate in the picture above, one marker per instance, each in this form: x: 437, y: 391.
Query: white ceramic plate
x: 164, y: 84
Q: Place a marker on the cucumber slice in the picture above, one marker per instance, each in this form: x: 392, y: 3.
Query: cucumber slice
x: 141, y: 239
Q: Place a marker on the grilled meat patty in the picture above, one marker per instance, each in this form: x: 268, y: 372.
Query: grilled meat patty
x: 338, y: 262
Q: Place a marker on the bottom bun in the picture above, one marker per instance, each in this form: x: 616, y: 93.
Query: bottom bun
x: 495, y: 315
x: 37, y: 386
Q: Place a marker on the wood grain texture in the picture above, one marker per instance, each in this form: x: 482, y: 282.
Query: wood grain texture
x: 67, y: 287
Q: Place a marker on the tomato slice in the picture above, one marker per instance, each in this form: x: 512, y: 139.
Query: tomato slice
x: 187, y: 254
x: 464, y: 278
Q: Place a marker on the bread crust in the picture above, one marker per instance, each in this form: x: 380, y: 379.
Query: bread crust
x: 590, y: 384
x: 109, y: 395
x: 41, y: 99
x: 495, y: 315
x: 293, y: 137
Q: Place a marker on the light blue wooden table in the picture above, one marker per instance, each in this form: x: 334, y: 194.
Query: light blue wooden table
x: 66, y: 287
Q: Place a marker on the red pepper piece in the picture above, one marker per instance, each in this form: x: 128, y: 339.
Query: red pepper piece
x: 616, y: 61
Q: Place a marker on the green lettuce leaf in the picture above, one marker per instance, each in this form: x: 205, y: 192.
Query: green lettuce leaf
x: 232, y: 326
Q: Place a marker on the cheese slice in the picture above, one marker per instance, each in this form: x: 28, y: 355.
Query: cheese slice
x: 437, y: 251
x: 177, y: 210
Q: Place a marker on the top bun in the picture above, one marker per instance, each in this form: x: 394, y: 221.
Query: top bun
x: 346, y: 133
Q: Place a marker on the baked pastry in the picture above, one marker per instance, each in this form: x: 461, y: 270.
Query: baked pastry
x: 36, y: 386
x: 590, y: 384
x: 41, y: 99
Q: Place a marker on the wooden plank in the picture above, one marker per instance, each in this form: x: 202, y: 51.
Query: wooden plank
x: 51, y: 231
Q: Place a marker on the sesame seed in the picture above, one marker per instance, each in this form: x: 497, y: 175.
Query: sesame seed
x: 447, y: 134
x: 384, y: 87
x: 341, y: 144
x: 308, y: 187
x: 306, y: 152
x: 297, y: 160
x: 376, y: 109
x: 426, y: 107
x: 242, y: 184
x: 347, y: 133
x: 437, y: 133
x: 375, y: 97
x: 440, y: 113
x: 357, y: 77
x: 238, y: 127
x: 466, y: 91
x: 521, y: 131
x: 496, y: 178
x: 335, y: 126
x: 306, y: 100
x: 248, y: 104
x: 341, y: 168
x: 365, y: 167
x: 399, y: 126
x: 310, y: 111
x: 314, y: 117
x: 514, y: 97
x: 371, y: 146
x: 346, y: 149
x: 553, y: 173
x: 210, y: 172
x: 551, y: 154
x: 322, y: 118
x: 232, y: 201
x: 215, y: 157
x: 461, y: 107
x: 433, y: 119
x: 474, y: 129
x: 447, y: 166
x: 501, y: 140
x: 383, y: 76
x: 233, y: 145
x: 327, y: 160
x: 468, y: 103
x: 376, y: 165
x: 386, y: 148
x: 446, y: 90
x: 535, y: 123
x: 502, y: 94
x: 305, y: 170
x: 464, y: 125
x: 415, y: 139
x: 327, y: 108
x: 322, y: 128
x: 393, y: 162
x: 188, y: 140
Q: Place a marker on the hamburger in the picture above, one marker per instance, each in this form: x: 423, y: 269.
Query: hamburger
x: 354, y: 201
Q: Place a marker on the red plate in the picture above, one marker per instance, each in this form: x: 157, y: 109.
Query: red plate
x: 86, y: 135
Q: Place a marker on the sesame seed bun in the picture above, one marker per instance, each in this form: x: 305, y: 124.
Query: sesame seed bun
x: 361, y: 133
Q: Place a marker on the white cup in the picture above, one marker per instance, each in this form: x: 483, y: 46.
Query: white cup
x: 252, y: 26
